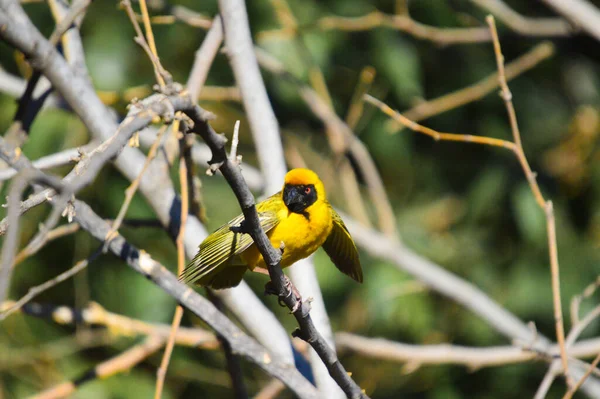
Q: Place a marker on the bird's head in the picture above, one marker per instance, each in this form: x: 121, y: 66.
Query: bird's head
x: 302, y: 188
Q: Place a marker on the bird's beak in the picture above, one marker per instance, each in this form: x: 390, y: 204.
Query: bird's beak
x: 293, y: 199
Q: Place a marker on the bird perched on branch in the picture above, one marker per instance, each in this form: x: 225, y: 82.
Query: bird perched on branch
x: 297, y: 219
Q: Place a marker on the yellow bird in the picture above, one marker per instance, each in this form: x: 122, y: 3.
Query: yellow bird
x: 299, y: 217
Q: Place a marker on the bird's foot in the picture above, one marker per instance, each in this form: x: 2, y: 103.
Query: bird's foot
x: 289, y: 290
x: 301, y: 301
x: 270, y: 289
x: 240, y: 228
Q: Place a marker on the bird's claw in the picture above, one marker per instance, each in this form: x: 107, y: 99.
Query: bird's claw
x: 301, y: 301
x: 270, y: 289
x: 240, y: 228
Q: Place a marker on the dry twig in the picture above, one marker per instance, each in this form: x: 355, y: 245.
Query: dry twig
x: 31, y: 249
x: 118, y: 364
x: 545, y: 205
x: 164, y: 364
x: 517, y: 148
x: 35, y: 291
x: 476, y: 91
x: 523, y: 25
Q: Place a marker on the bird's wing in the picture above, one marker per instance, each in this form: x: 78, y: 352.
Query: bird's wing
x: 223, y: 245
x: 341, y: 249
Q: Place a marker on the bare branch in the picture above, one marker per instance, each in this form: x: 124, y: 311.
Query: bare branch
x: 346, y: 140
x: 263, y: 123
x: 478, y: 90
x: 405, y: 23
x: 471, y: 357
x: 580, y: 12
x: 580, y: 382
x: 118, y: 364
x: 240, y: 342
x: 144, y: 264
x: 51, y: 161
x: 82, y: 98
x: 203, y: 59
x: 164, y: 364
x: 546, y: 206
x: 523, y: 25
x: 35, y: 291
x: 267, y: 139
x: 96, y: 315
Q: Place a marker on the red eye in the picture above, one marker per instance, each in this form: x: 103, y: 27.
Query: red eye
x: 307, y: 190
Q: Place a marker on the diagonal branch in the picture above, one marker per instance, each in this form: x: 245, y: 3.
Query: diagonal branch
x: 157, y: 187
x: 144, y: 264
x: 267, y: 140
x: 272, y: 256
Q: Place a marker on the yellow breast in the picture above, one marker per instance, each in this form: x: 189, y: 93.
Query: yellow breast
x: 300, y: 234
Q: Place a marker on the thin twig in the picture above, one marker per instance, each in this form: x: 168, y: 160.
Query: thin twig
x: 582, y: 13
x: 345, y: 140
x: 162, y: 76
x: 547, y: 381
x: 203, y: 59
x: 577, y: 299
x: 149, y: 33
x: 118, y: 364
x: 523, y: 25
x: 569, y: 394
x: 95, y: 315
x: 477, y: 90
x: 27, y: 176
x: 18, y: 31
x: 161, y: 372
x: 265, y: 130
x: 578, y: 328
x: 31, y: 249
x: 65, y: 23
x: 61, y: 158
x: 546, y: 206
x: 401, y: 22
x: 517, y: 149
x: 38, y: 289
x: 233, y: 364
x: 233, y: 157
x: 131, y: 190
x: 355, y: 110
x: 438, y: 136
x: 337, y: 140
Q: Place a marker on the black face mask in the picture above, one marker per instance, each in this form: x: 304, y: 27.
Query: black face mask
x: 299, y: 197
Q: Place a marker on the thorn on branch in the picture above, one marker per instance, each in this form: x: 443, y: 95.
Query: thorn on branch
x: 233, y: 157
x: 301, y: 301
x: 213, y: 167
x: 69, y: 210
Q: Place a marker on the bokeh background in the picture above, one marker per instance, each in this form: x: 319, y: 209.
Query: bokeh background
x: 465, y: 207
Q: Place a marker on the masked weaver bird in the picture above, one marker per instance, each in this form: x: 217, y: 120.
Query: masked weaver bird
x: 298, y: 219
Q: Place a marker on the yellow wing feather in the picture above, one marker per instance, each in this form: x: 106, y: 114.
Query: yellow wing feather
x: 341, y: 249
x: 220, y: 249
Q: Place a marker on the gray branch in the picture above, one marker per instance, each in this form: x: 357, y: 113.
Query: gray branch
x: 580, y: 12
x: 156, y: 186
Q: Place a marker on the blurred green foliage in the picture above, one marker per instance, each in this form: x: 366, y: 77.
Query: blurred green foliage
x: 466, y: 207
